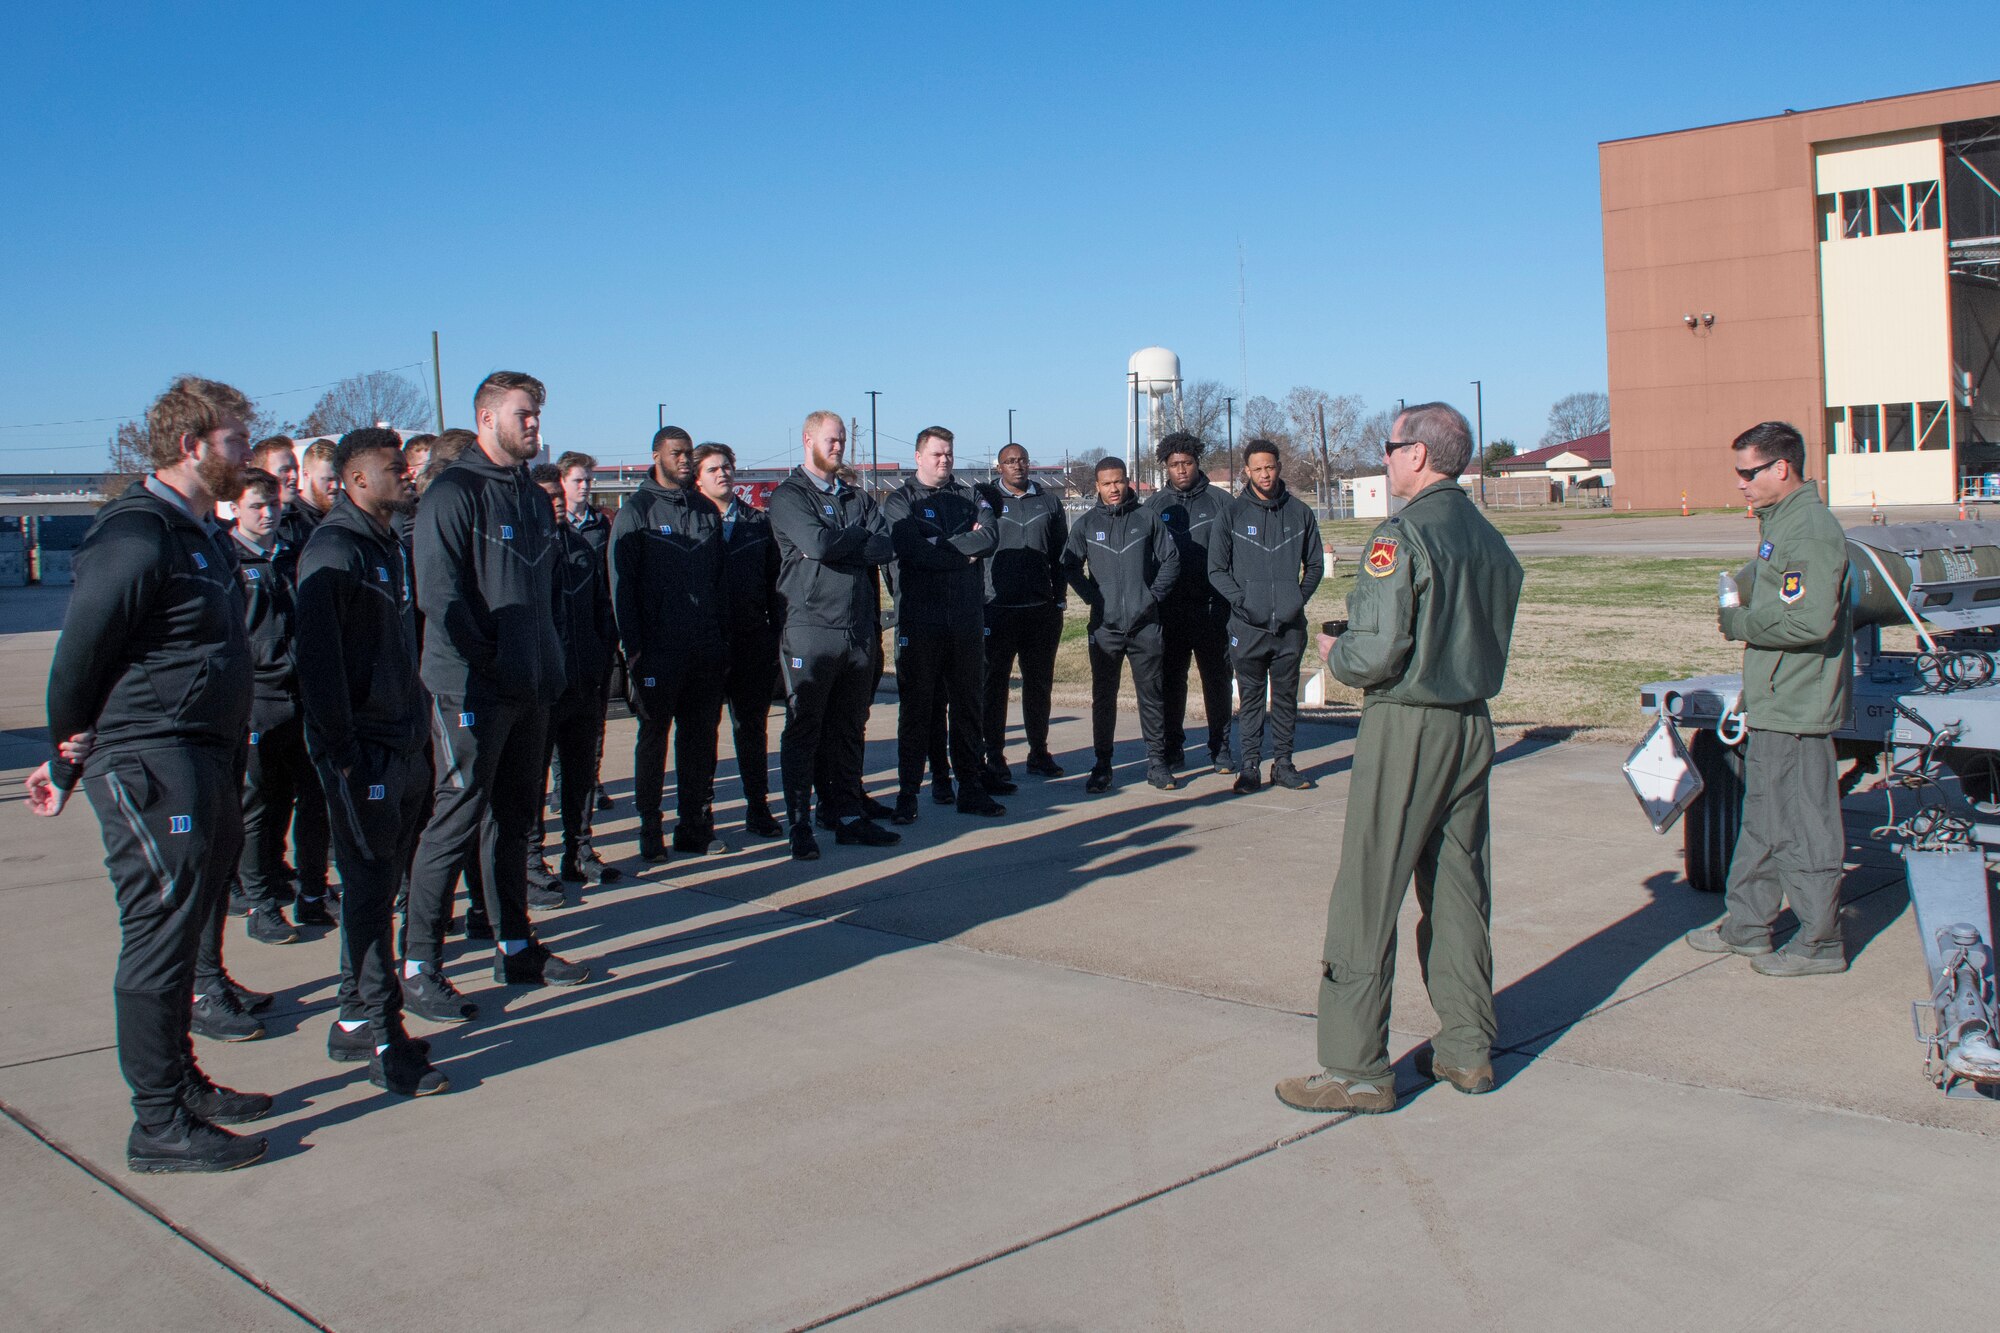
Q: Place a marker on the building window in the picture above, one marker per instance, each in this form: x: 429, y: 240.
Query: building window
x: 1896, y: 436
x: 1829, y: 230
x: 1854, y: 221
x: 1889, y: 210
x: 1864, y: 428
x: 1925, y: 204
x: 1836, y: 426
x: 1933, y: 427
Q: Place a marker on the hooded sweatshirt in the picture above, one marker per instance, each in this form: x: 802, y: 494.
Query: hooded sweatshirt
x: 1123, y: 562
x: 583, y: 612
x: 153, y: 649
x: 357, y: 640
x: 485, y: 567
x: 270, y: 587
x: 941, y: 535
x: 830, y: 542
x: 1029, y: 532
x: 1264, y: 559
x: 666, y: 577
x: 750, y: 556
x: 1192, y: 516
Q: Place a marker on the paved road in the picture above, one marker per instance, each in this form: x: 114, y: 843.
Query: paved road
x: 1014, y: 1075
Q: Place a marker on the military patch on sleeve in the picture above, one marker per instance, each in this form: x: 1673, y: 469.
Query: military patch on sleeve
x: 1793, y: 587
x: 1381, y: 558
x: 1764, y: 551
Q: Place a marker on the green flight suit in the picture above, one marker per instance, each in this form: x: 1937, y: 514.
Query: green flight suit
x: 1797, y: 631
x: 1429, y: 624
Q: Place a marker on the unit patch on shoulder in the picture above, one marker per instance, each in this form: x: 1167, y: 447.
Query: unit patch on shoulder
x: 1793, y: 587
x: 1764, y: 551
x: 1381, y: 558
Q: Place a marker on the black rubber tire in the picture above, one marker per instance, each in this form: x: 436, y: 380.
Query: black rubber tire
x: 1712, y: 823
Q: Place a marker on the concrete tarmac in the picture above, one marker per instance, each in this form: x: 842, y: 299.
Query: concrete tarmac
x: 1012, y: 1074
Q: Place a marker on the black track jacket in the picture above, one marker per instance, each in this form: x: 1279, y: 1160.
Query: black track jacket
x: 666, y: 578
x: 1192, y: 516
x: 941, y: 535
x: 1028, y: 532
x: 1122, y: 562
x: 829, y: 545
x: 357, y: 640
x: 1265, y: 558
x: 270, y: 597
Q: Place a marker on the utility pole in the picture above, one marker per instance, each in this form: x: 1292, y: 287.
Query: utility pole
x: 437, y: 379
x: 874, y: 436
x: 1229, y: 406
x: 663, y: 416
x: 1325, y: 478
x: 1010, y: 425
x: 1479, y: 408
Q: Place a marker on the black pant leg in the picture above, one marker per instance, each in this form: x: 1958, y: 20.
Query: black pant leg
x: 1174, y: 657
x: 1039, y: 637
x: 1251, y: 655
x: 753, y: 669
x: 918, y: 668
x: 652, y: 697
x: 810, y: 661
x: 853, y: 692
x: 172, y: 823
x: 1106, y: 666
x: 965, y: 681
x: 467, y: 747
x: 372, y: 811
x: 1211, y: 658
x: 1001, y: 647
x: 698, y: 716
x: 311, y: 840
x: 516, y: 805
x: 1148, y: 678
x: 1287, y: 652
x: 573, y: 732
x: 270, y: 790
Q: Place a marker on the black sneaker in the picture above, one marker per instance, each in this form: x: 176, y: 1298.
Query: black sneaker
x: 1176, y: 757
x: 1284, y: 775
x: 1248, y: 782
x: 189, y: 1143
x: 1044, y: 766
x: 1163, y: 778
x: 252, y: 1001
x: 906, y: 809
x: 825, y: 820
x: 758, y: 820
x: 604, y: 801
x: 652, y: 844
x: 202, y: 1099
x: 1100, y: 780
x: 222, y: 1017
x: 538, y: 870
x: 1223, y: 759
x: 267, y: 925
x: 313, y: 912
x: 589, y: 868
x: 943, y: 792
x: 240, y: 903
x: 547, y: 897
x: 403, y: 1069
x: 350, y: 1048
x: 872, y: 808
x: 978, y: 803
x: 536, y: 966
x: 430, y: 994
x: 805, y: 847
x: 865, y: 833
x: 699, y: 843
x: 999, y: 784
x: 476, y: 926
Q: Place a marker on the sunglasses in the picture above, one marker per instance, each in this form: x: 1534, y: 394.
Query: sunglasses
x: 1391, y: 446
x: 1750, y: 473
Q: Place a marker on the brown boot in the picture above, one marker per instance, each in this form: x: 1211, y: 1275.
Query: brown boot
x: 1326, y: 1091
x: 1475, y: 1080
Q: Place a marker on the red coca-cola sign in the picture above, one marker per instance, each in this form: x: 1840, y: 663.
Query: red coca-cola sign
x: 756, y: 494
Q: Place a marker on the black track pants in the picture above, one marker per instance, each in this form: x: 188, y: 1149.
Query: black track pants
x: 830, y: 679
x: 1030, y: 634
x: 376, y: 814
x: 487, y: 759
x: 173, y: 827
x: 271, y: 785
x: 937, y: 667
x: 1200, y: 634
x: 1108, y: 653
x: 684, y: 698
x: 753, y: 673
x: 575, y: 724
x: 1260, y: 657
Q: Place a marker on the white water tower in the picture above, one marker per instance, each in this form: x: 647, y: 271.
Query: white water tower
x: 1153, y: 373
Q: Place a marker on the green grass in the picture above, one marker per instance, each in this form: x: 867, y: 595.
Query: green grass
x: 1354, y: 532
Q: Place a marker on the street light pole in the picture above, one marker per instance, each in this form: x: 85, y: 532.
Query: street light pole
x: 663, y: 416
x: 1479, y: 409
x: 874, y: 442
x: 1229, y: 406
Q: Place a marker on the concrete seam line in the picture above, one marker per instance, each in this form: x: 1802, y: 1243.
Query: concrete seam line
x: 145, y: 1206
x: 1006, y: 1250
x: 62, y: 1055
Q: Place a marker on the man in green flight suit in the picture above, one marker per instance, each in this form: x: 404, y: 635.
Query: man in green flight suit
x: 1797, y: 632
x: 1430, y: 619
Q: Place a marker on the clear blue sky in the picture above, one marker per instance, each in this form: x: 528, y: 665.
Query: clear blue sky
x: 750, y: 212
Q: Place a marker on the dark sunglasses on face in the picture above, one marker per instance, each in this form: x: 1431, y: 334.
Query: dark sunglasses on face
x: 1391, y: 446
x: 1750, y: 473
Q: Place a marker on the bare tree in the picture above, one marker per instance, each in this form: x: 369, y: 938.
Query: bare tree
x: 1577, y: 415
x: 1200, y: 411
x: 128, y: 447
x: 1343, y: 413
x: 363, y: 400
